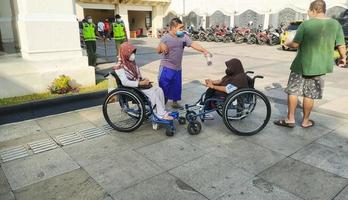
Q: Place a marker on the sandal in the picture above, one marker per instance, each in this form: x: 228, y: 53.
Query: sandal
x: 283, y: 123
x: 313, y: 123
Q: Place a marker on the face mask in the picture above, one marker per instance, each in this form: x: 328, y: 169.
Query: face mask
x: 118, y: 20
x: 180, y: 33
x: 132, y: 57
x: 89, y: 20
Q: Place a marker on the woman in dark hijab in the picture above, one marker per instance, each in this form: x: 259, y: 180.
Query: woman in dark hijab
x: 235, y: 78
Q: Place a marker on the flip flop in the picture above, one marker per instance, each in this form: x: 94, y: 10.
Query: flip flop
x: 313, y: 123
x: 283, y: 123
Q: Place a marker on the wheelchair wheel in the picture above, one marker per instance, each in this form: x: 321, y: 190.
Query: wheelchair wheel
x: 246, y: 112
x: 124, y: 110
x: 194, y: 128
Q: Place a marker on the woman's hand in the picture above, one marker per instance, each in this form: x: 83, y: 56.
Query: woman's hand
x: 144, y: 82
x: 209, y: 83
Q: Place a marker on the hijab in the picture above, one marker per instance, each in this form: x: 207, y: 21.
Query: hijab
x: 130, y: 67
x: 235, y: 74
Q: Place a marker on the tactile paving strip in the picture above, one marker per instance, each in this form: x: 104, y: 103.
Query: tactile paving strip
x: 67, y: 139
x: 42, y: 145
x: 13, y: 153
x: 92, y: 133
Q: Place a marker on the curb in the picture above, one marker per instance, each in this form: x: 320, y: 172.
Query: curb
x: 42, y: 108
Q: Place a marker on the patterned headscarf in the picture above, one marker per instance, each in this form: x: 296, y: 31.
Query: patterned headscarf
x: 132, y: 71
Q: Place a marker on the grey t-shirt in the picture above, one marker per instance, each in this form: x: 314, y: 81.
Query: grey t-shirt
x: 176, y: 45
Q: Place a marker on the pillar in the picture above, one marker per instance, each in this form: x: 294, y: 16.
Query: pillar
x: 123, y: 12
x: 47, y: 32
x: 8, y: 39
x: 266, y: 20
x: 157, y: 18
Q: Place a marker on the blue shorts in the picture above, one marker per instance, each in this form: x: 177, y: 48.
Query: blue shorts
x: 170, y: 81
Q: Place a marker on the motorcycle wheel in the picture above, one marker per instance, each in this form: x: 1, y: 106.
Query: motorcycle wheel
x: 239, y: 39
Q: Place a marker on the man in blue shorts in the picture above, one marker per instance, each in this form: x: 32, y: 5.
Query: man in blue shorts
x: 172, y: 47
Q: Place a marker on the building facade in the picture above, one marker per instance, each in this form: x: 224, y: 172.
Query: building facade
x: 39, y: 39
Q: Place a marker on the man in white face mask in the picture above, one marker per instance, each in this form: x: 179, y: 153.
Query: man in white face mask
x: 119, y: 30
x: 89, y: 34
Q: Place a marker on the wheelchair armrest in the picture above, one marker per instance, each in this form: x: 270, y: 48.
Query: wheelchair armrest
x: 249, y: 72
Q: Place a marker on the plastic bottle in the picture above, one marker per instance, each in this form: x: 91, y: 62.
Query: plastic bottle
x: 208, y: 58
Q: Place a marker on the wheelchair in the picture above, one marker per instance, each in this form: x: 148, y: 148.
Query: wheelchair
x: 245, y: 111
x: 125, y: 109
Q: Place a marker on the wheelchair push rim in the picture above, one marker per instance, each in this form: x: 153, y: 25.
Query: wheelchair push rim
x: 246, y: 112
x: 124, y: 110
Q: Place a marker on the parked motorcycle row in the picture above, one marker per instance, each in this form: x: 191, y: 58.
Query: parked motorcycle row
x: 238, y: 35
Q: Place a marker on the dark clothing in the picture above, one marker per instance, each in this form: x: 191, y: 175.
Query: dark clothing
x: 91, y: 52
x: 235, y: 74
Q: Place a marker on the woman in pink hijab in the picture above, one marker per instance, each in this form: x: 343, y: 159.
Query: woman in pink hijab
x: 130, y: 76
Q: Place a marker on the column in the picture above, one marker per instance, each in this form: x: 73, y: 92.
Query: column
x: 6, y: 27
x: 47, y: 32
x: 123, y: 12
x: 266, y: 20
x: 204, y: 21
x: 157, y: 18
x: 232, y: 20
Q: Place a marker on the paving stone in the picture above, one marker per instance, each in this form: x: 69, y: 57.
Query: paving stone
x: 304, y: 180
x: 71, y: 129
x: 285, y: 140
x: 60, y: 121
x: 171, y: 153
x: 93, y: 151
x: 75, y: 185
x: 5, y: 189
x: 122, y: 171
x: 23, y: 141
x: 163, y: 186
x: 18, y: 130
x: 343, y: 195
x: 211, y: 174
x: 143, y: 136
x: 324, y: 157
x: 38, y: 167
x: 337, y: 139
x: 94, y: 115
x: 258, y: 189
x: 248, y: 156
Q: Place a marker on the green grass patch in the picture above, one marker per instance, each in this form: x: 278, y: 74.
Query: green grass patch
x: 103, y: 85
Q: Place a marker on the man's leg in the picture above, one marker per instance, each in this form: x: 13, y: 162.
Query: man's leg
x: 307, y: 109
x: 118, y: 45
x: 89, y: 52
x: 94, y: 57
x: 292, y: 104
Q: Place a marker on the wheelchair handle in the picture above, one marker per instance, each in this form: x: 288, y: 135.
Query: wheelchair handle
x: 258, y: 76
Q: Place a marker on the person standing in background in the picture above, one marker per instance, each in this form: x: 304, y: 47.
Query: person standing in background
x: 89, y: 33
x: 120, y: 34
x: 315, y: 40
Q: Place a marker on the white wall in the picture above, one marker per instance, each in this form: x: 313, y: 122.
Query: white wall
x: 202, y: 7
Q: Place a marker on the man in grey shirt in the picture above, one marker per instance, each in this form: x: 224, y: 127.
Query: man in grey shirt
x: 172, y: 47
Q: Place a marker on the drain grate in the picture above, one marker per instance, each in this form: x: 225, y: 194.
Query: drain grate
x: 107, y: 128
x: 13, y: 153
x: 42, y: 145
x: 67, y: 139
x: 92, y: 133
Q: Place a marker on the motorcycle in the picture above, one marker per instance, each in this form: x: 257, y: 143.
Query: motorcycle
x: 242, y: 34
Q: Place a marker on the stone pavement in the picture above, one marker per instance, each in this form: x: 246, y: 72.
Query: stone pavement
x: 278, y: 163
